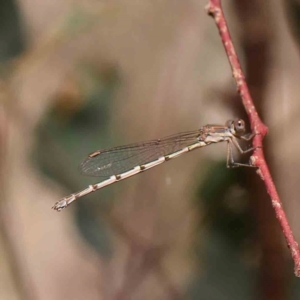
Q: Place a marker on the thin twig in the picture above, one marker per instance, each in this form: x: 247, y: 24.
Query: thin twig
x: 214, y: 9
x: 272, y: 282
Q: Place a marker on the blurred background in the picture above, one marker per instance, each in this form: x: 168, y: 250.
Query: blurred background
x: 78, y: 76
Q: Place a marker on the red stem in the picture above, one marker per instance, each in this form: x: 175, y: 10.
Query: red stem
x: 214, y: 9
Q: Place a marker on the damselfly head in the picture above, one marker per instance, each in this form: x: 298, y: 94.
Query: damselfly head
x: 236, y: 127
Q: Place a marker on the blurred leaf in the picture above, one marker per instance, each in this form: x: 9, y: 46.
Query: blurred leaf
x: 11, y: 41
x: 223, y: 275
x: 225, y: 201
x: 293, y: 10
x: 77, y: 124
x: 93, y: 229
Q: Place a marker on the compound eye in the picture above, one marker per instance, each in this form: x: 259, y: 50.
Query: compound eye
x: 239, y: 126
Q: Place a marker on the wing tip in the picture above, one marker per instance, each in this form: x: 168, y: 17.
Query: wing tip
x: 83, y: 169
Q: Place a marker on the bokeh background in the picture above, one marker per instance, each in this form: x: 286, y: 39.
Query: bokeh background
x: 77, y: 76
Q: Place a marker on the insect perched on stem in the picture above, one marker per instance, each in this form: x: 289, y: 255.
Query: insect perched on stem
x: 125, y: 161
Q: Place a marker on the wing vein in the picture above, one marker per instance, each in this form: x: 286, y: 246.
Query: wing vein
x: 120, y: 159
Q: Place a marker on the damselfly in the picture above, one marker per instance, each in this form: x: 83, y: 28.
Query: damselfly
x: 125, y: 161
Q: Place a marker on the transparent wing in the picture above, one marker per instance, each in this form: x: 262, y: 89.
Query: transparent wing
x: 108, y: 162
